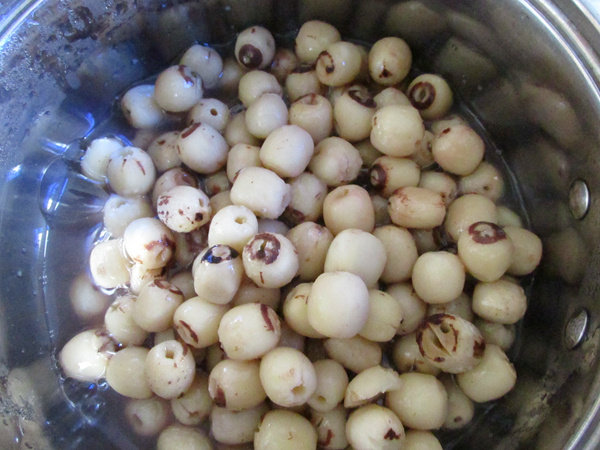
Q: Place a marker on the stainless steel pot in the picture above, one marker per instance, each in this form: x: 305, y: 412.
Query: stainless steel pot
x: 529, y: 70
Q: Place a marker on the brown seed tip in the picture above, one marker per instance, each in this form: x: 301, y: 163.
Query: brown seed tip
x: 265, y: 247
x: 486, y: 233
x: 250, y: 56
x: 422, y: 95
x: 391, y: 435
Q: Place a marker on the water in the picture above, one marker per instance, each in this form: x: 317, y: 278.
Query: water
x: 72, y: 207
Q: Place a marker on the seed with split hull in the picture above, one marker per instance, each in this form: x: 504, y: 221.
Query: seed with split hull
x: 234, y: 226
x: 450, y: 343
x: 339, y: 63
x: 235, y: 427
x: 332, y: 381
x: 314, y: 113
x: 312, y: 38
x: 494, y: 377
x: 416, y: 207
x: 485, y: 250
x: 155, y: 305
x: 147, y: 416
x: 369, y: 384
x: 218, y: 274
x: 108, y: 265
x: 270, y: 260
x: 130, y: 171
x: 235, y: 385
x: 288, y: 376
x: 338, y: 304
x: 352, y: 113
x: 180, y: 436
x: 397, y: 130
x: 177, y: 89
x: 331, y: 427
x: 431, y: 95
x: 149, y: 242
x: 140, y: 108
x: 85, y: 357
x: 374, y: 426
x: 206, y: 62
x: 438, y: 277
x: 422, y: 439
x: 285, y: 429
x: 390, y: 60
x: 389, y: 173
x: 249, y: 331
x: 125, y: 373
x: 255, y: 48
x: 262, y: 191
x: 421, y: 402
x: 458, y: 149
x: 302, y: 82
x: 197, y: 321
x: 295, y: 311
x: 501, y: 301
x: 183, y: 208
x: 170, y: 369
x: 193, y: 407
x: 202, y: 148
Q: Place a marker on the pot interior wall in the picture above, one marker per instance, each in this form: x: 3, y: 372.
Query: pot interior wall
x: 518, y: 66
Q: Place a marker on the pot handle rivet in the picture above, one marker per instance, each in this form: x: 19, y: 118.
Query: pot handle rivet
x: 579, y: 199
x: 576, y: 328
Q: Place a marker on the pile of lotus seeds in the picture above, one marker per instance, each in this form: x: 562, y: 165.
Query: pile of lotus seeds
x: 303, y: 249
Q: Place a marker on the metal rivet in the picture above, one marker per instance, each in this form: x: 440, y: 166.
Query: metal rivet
x: 579, y: 199
x: 576, y: 328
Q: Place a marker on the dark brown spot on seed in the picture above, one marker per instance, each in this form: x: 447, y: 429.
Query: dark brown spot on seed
x: 422, y: 95
x: 445, y: 131
x: 163, y: 200
x: 362, y: 98
x: 250, y: 56
x: 164, y: 241
x: 183, y: 177
x: 213, y: 112
x: 458, y: 419
x: 198, y: 217
x: 478, y: 348
x: 327, y: 59
x: 220, y: 398
x: 191, y: 332
x: 264, y: 247
x: 378, y: 176
x: 303, y: 68
x: 328, y: 438
x: 189, y: 130
x: 264, y: 310
x: 182, y: 70
x: 218, y: 253
x: 294, y: 216
x: 486, y: 233
x: 161, y: 142
x: 391, y: 435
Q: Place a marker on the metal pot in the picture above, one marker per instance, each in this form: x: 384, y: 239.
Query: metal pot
x: 528, y: 70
